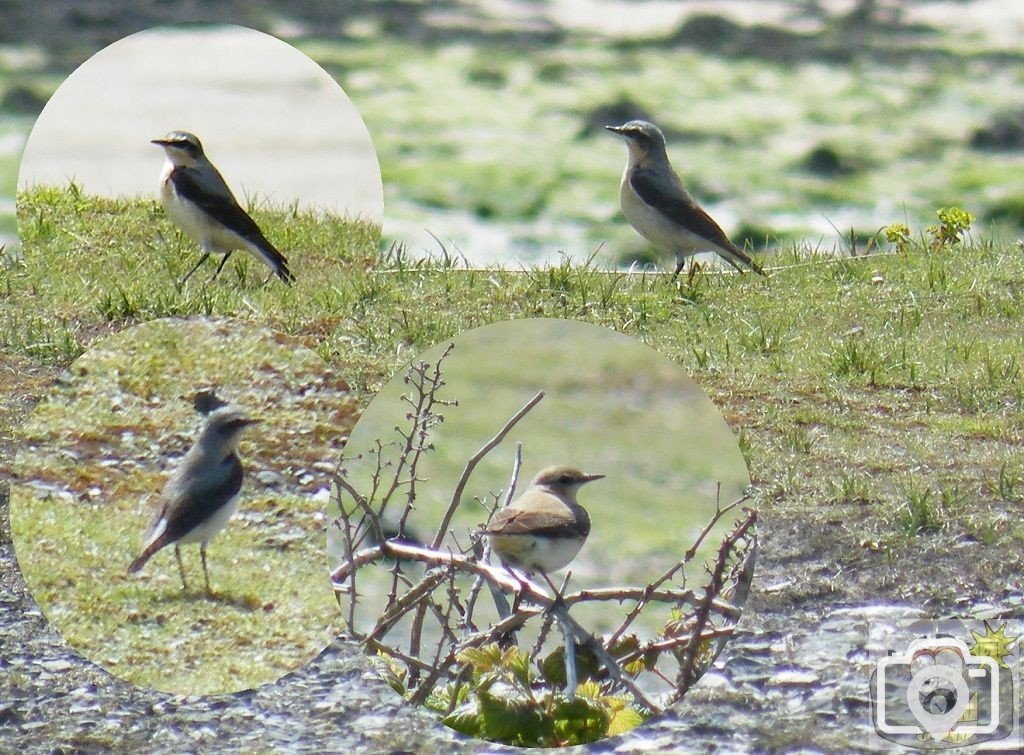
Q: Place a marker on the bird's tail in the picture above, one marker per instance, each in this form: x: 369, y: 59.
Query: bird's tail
x: 278, y: 264
x: 735, y: 253
x: 147, y: 553
x: 273, y: 258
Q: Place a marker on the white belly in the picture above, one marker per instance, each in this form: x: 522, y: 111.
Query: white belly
x: 665, y: 234
x: 196, y: 224
x: 532, y: 553
x: 205, y: 531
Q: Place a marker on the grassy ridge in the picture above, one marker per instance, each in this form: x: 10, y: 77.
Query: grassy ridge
x: 945, y: 323
x: 858, y: 380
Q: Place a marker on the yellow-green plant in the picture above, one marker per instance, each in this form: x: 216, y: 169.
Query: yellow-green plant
x: 954, y: 223
x: 504, y: 699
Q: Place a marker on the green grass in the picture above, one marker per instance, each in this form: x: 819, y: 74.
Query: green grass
x: 944, y: 324
x: 881, y: 367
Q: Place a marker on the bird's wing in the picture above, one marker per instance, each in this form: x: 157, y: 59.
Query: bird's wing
x: 673, y: 201
x: 546, y: 516
x: 670, y: 198
x: 216, y: 200
x: 158, y: 514
x: 190, y: 496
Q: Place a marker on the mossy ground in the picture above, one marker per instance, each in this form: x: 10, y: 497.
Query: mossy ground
x: 877, y: 399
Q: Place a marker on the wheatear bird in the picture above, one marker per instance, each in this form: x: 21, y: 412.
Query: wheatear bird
x: 544, y: 528
x: 660, y: 209
x: 202, y: 494
x: 197, y: 200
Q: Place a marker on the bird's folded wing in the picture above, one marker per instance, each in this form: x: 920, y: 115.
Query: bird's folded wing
x: 673, y: 202
x: 220, y: 206
x: 189, y: 505
x: 554, y: 521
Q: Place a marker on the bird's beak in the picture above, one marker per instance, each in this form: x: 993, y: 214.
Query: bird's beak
x: 592, y: 477
x: 163, y: 142
x: 615, y: 129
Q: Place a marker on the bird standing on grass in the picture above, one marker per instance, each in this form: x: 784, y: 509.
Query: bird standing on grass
x: 197, y: 199
x: 660, y: 209
x: 202, y: 494
x: 544, y: 528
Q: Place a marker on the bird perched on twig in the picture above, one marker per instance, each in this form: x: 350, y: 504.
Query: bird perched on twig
x: 202, y: 494
x: 197, y: 199
x: 660, y: 209
x: 544, y: 528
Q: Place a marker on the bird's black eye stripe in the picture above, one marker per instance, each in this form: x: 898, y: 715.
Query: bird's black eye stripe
x: 232, y: 425
x: 186, y: 146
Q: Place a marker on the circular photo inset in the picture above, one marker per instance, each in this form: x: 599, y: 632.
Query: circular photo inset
x: 194, y: 153
x: 167, y: 504
x: 540, y: 531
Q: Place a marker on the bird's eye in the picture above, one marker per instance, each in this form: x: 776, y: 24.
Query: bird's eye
x: 566, y: 479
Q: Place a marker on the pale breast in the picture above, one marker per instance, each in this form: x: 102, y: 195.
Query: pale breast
x: 195, y: 223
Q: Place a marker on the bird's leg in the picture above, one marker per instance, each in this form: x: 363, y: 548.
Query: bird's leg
x: 680, y: 261
x: 220, y: 267
x: 692, y: 272
x: 205, y: 256
x: 555, y: 590
x: 519, y: 593
x: 181, y: 567
x: 206, y: 575
x: 522, y: 587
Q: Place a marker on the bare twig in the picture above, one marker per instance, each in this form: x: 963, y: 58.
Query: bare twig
x: 500, y: 603
x: 420, y: 417
x: 652, y: 587
x: 542, y: 635
x: 687, y: 670
x: 720, y: 511
x: 620, y: 594
x: 393, y: 549
x: 352, y: 591
x: 409, y: 600
x: 409, y: 660
x: 673, y: 643
x: 587, y: 639
x: 517, y: 463
x: 460, y: 485
x: 569, y: 658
